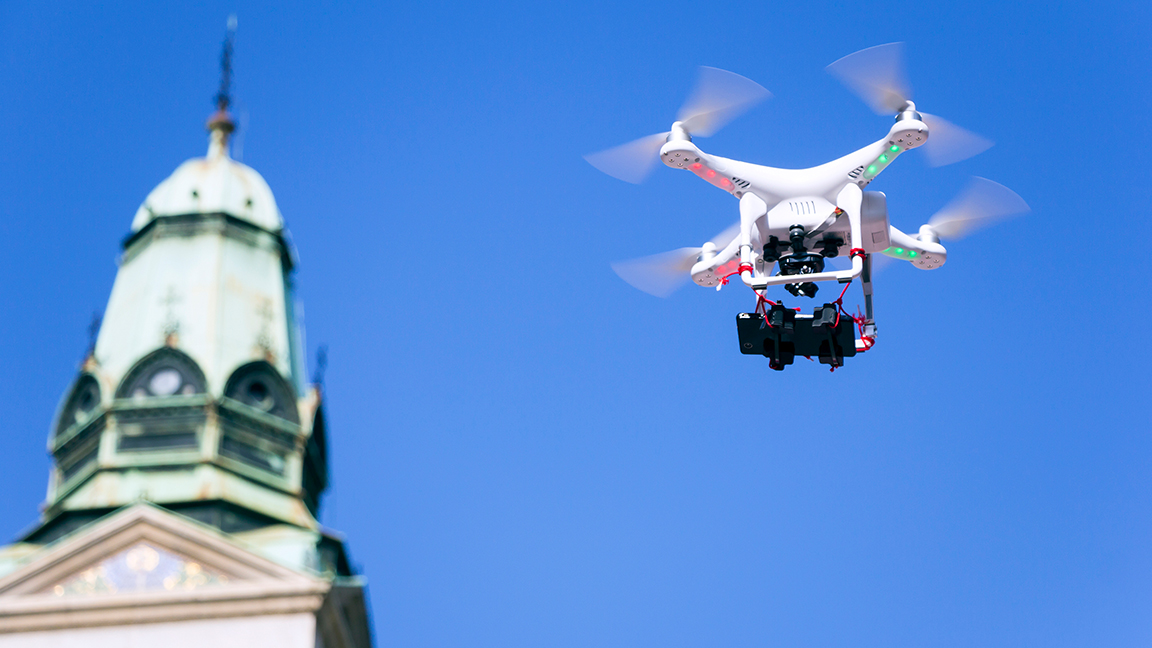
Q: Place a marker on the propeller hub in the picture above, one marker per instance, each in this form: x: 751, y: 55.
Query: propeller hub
x: 679, y: 133
x: 908, y: 113
x: 928, y: 235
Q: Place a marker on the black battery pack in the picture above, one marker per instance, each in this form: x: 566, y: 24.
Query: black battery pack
x: 782, y: 334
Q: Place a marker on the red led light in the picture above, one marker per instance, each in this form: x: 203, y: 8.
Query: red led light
x: 724, y: 182
x: 697, y: 166
x: 710, y: 173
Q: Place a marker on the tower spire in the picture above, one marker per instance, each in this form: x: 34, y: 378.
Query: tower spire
x: 220, y: 125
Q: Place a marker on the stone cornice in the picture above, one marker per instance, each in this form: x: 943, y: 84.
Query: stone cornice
x: 256, y: 585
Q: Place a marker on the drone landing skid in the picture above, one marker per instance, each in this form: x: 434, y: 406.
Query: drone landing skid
x: 781, y: 334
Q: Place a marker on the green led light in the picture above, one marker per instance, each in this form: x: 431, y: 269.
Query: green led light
x: 894, y: 148
x: 899, y: 250
x: 883, y: 158
x: 871, y: 168
x: 912, y: 253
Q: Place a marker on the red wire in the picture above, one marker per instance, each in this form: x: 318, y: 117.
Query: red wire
x: 840, y: 299
x: 857, y: 319
x: 840, y: 304
x: 740, y: 269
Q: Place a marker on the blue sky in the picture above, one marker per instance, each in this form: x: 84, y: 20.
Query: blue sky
x: 528, y: 451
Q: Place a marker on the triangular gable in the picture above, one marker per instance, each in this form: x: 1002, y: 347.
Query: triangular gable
x: 142, y: 525
x: 143, y: 566
x: 146, y: 564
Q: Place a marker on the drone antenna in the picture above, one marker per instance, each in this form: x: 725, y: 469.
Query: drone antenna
x: 223, y: 99
x: 321, y: 365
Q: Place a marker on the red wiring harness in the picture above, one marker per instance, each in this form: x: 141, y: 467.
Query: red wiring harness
x: 858, y: 319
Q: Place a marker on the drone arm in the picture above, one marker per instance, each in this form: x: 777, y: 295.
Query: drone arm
x: 923, y: 252
x: 862, y: 166
x: 905, y: 134
x: 713, y: 268
x: 717, y: 171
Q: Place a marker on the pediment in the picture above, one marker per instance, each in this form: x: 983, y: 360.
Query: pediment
x: 142, y: 567
x: 145, y: 563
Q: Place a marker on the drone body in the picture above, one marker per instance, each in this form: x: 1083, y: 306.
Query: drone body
x: 792, y: 220
x: 825, y: 202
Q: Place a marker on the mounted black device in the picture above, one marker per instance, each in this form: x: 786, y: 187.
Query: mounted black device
x: 782, y: 334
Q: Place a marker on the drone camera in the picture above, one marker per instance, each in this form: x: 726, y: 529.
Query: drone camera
x: 801, y: 265
x: 800, y: 262
x: 806, y: 289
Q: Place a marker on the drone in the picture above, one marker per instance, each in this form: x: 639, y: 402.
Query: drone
x: 794, y: 220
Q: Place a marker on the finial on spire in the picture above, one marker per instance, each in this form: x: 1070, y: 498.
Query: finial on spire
x: 222, y: 120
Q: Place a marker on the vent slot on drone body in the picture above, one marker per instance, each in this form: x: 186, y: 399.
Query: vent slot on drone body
x: 803, y: 207
x: 743, y: 184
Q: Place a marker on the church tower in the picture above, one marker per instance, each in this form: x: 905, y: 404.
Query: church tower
x: 189, y: 453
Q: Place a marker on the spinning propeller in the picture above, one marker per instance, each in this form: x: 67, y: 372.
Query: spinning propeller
x: 982, y: 203
x: 877, y: 76
x: 718, y: 98
x: 662, y: 274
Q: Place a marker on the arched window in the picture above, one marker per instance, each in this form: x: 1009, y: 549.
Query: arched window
x: 259, y: 385
x: 82, y: 402
x: 164, y: 372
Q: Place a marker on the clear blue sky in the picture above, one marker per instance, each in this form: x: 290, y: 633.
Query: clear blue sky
x: 528, y: 451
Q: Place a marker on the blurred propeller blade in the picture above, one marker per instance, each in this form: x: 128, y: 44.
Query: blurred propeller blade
x: 718, y: 97
x: 948, y: 143
x: 877, y: 76
x: 631, y: 162
x: 981, y: 203
x: 722, y: 239
x: 880, y: 262
x: 661, y: 274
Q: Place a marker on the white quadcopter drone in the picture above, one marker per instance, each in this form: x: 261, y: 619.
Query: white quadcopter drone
x: 792, y: 220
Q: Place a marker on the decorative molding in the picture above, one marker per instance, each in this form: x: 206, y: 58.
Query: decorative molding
x: 254, y: 585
